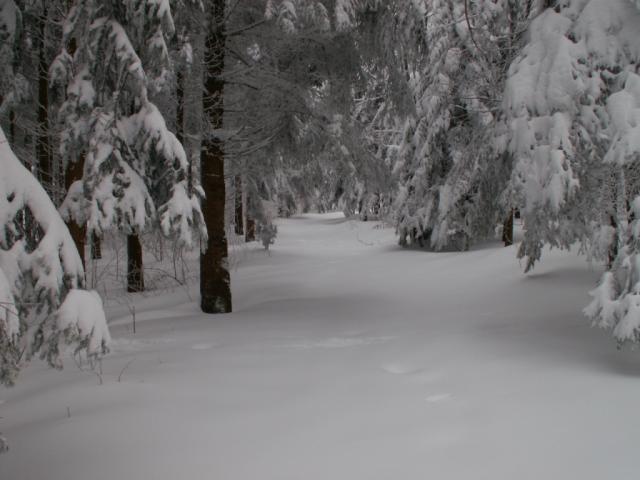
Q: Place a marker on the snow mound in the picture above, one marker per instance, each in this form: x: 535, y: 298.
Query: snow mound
x: 81, y: 315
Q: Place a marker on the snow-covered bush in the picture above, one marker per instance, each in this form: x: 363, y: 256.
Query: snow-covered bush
x: 573, y: 106
x: 81, y: 318
x: 40, y: 269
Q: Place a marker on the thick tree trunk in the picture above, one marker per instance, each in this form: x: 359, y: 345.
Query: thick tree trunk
x: 250, y: 234
x: 239, y: 214
x: 507, y: 230
x: 43, y: 150
x: 96, y: 247
x: 135, y: 273
x: 74, y: 171
x: 250, y: 222
x: 215, y: 291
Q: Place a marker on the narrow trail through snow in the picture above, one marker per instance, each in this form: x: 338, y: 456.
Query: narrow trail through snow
x: 345, y: 358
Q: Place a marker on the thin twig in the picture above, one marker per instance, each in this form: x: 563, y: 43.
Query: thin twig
x: 473, y: 38
x: 124, y: 368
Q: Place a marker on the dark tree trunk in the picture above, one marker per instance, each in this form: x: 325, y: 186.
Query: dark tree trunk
x: 180, y: 106
x: 215, y: 290
x: 507, y: 230
x: 250, y: 234
x: 43, y: 150
x: 239, y: 215
x: 96, y: 247
x: 135, y: 273
x: 12, y: 127
x: 73, y: 173
x: 250, y: 225
x: 613, y: 248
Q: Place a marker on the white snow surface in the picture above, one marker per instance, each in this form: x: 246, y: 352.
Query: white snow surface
x: 346, y: 358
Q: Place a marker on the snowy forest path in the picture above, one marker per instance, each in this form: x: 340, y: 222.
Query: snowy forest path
x: 346, y: 357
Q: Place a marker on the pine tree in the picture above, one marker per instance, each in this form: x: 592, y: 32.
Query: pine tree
x: 29, y: 105
x: 257, y: 69
x: 14, y: 87
x: 41, y: 273
x: 34, y: 283
x: 294, y: 140
x: 614, y: 53
x: 557, y: 107
x: 135, y: 172
x: 572, y: 105
x: 451, y: 164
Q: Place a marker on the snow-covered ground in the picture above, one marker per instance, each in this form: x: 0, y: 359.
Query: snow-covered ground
x: 346, y: 358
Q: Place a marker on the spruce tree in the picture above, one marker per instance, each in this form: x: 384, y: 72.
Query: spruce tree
x: 41, y: 273
x: 135, y: 173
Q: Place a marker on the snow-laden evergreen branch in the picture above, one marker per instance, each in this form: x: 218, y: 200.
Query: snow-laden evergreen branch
x: 135, y: 170
x: 40, y: 270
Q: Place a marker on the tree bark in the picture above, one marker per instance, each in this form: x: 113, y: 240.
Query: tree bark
x: 96, y: 247
x: 215, y: 291
x: 135, y: 273
x: 239, y: 215
x: 180, y: 106
x: 73, y: 172
x: 250, y: 221
x: 507, y: 230
x: 12, y: 126
x: 250, y: 234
